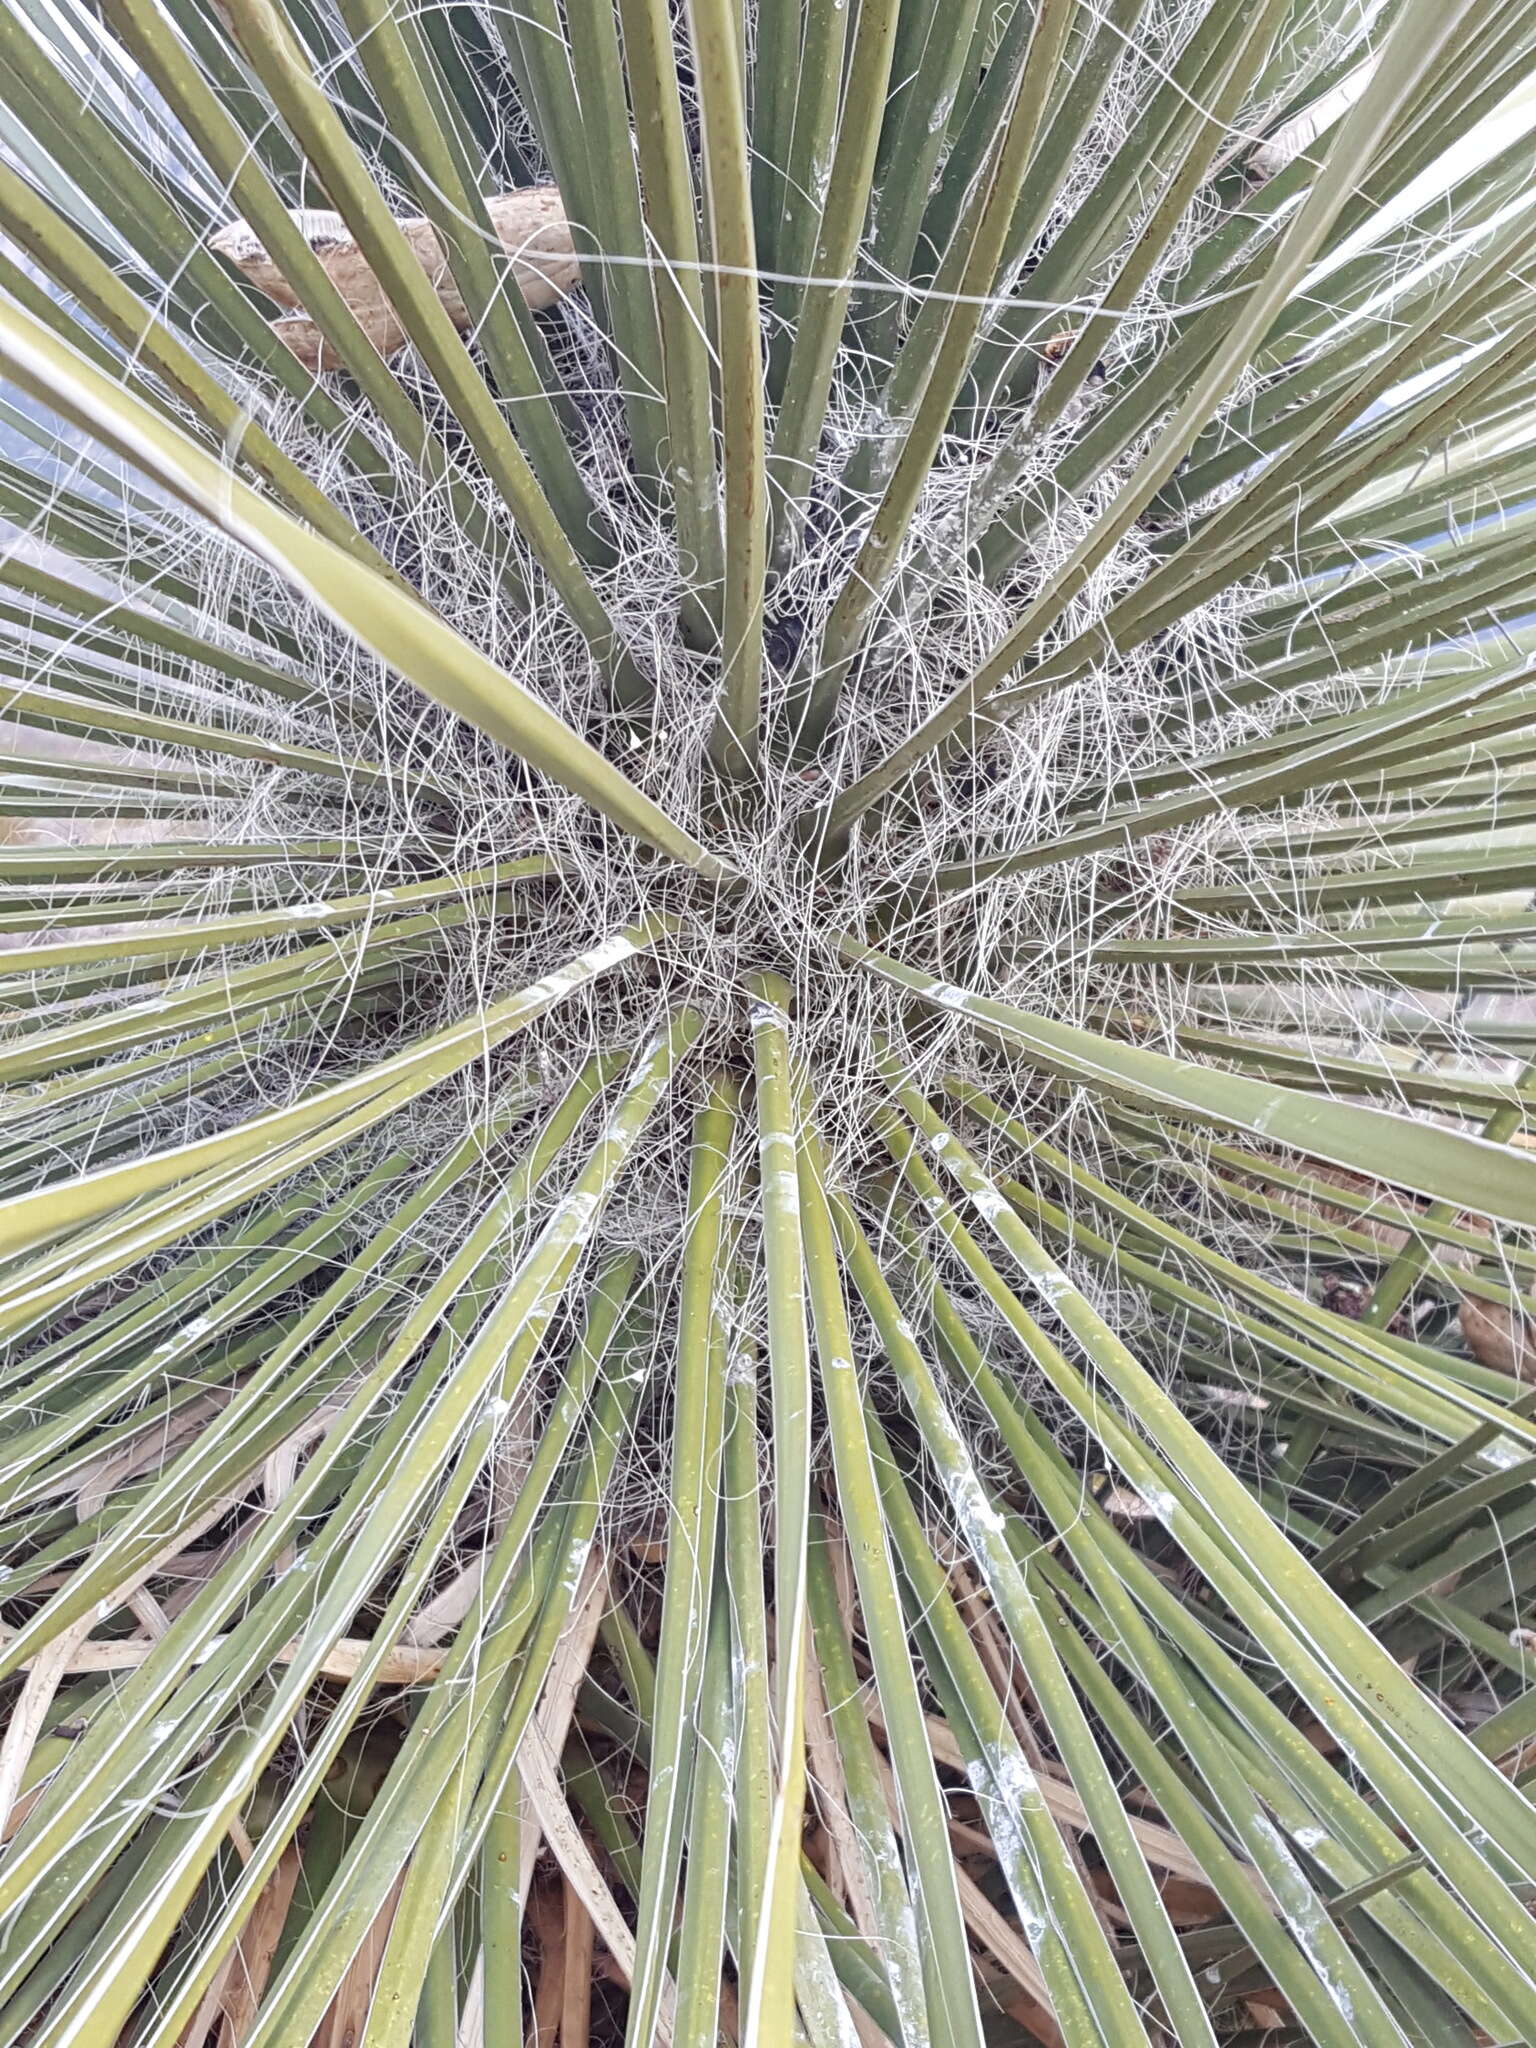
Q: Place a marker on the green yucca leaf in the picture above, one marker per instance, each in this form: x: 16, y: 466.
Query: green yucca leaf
x: 767, y: 1241
x: 768, y: 1940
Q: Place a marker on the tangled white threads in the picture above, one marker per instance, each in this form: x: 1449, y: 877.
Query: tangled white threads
x: 455, y: 803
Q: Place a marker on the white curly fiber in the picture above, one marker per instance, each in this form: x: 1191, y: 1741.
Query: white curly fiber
x: 1028, y: 940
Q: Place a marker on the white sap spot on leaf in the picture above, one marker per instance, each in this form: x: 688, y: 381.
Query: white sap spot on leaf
x: 982, y: 1518
x: 740, y: 1371
x: 1503, y: 1453
x: 1304, y: 1913
x: 1016, y: 1780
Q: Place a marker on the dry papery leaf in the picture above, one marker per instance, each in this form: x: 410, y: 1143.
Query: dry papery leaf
x: 1497, y: 1336
x: 1390, y: 1236
x: 1500, y: 1338
x: 530, y: 224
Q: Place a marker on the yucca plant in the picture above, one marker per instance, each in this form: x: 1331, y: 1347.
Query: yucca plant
x: 767, y: 1255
